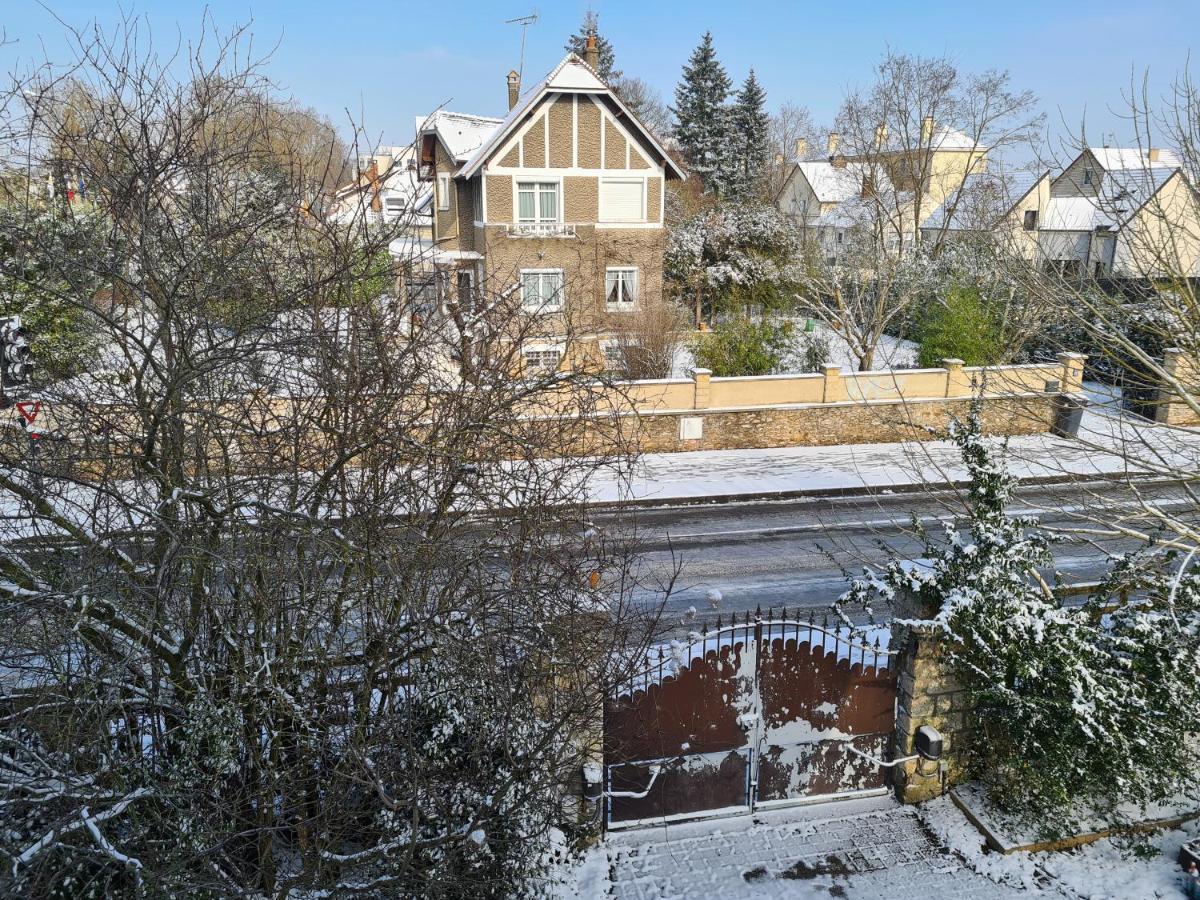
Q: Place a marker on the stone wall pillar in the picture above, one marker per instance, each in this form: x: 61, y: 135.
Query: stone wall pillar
x: 1171, y: 409
x: 835, y: 385
x: 701, y: 379
x: 929, y: 694
x: 957, y: 384
x: 1072, y: 372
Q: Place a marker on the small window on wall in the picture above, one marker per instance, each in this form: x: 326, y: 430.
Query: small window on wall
x: 1031, y: 220
x: 620, y: 289
x: 622, y: 200
x: 542, y: 290
x: 443, y: 192
x: 1089, y: 175
x: 542, y: 359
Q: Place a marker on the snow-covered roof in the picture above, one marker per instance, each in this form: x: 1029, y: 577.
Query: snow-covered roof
x: 570, y: 75
x: 944, y: 138
x: 985, y: 195
x: 1114, y: 159
x: 830, y: 183
x: 461, y: 133
x: 1122, y: 193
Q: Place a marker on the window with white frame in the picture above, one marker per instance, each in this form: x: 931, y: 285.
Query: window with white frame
x: 620, y: 288
x: 443, y: 192
x: 541, y: 290
x: 622, y: 200
x: 537, y: 201
x: 542, y: 359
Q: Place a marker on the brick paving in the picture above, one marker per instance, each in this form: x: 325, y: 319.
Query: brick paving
x: 853, y: 849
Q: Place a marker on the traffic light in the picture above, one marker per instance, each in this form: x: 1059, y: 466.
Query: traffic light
x: 15, y: 359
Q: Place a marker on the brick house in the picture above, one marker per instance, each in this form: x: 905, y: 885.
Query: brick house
x: 561, y: 200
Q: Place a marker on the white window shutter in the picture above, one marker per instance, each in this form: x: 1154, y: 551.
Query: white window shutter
x: 621, y: 201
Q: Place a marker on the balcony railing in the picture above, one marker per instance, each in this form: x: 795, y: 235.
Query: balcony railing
x: 541, y: 230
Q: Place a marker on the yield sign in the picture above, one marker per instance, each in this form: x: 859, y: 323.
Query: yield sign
x: 29, y: 412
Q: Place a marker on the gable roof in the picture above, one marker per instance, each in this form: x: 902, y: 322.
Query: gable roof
x: 461, y: 133
x: 1001, y: 190
x: 830, y: 183
x: 1121, y: 195
x: 1116, y: 159
x: 572, y: 75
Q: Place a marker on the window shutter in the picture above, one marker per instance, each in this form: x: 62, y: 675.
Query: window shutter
x: 621, y: 201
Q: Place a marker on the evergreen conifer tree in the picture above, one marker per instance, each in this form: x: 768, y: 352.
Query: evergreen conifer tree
x: 702, y: 116
x: 577, y: 44
x: 749, y: 124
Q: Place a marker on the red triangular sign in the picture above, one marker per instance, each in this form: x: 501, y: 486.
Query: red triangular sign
x: 29, y: 410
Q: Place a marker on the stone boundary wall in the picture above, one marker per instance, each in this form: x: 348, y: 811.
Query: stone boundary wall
x: 706, y: 413
x: 846, y: 422
x: 952, y: 380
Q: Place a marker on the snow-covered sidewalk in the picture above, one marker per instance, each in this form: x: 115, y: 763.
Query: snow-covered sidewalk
x: 866, y: 849
x: 1109, y: 444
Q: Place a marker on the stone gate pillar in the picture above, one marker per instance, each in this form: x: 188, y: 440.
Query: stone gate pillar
x: 928, y: 694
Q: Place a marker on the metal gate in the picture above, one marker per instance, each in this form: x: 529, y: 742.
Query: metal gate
x: 751, y: 714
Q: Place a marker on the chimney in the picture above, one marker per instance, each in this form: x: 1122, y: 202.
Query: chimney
x: 514, y: 88
x: 779, y: 160
x: 1153, y: 154
x: 927, y: 130
x: 880, y: 136
x: 832, y: 145
x: 801, y: 148
x: 591, y: 55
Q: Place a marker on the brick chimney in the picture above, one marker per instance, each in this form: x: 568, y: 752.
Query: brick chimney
x: 832, y: 144
x: 926, y: 130
x: 514, y: 88
x: 591, y: 54
x: 801, y: 148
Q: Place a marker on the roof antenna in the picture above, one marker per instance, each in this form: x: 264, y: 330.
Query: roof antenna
x: 524, y: 22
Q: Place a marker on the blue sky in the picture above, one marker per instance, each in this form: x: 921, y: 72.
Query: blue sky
x: 387, y: 62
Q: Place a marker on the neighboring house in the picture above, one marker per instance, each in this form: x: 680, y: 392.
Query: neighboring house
x: 887, y: 190
x: 562, y: 200
x: 1124, y: 213
x: 1009, y: 202
x: 387, y: 190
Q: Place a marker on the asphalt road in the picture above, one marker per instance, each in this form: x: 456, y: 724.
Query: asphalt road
x: 797, y: 553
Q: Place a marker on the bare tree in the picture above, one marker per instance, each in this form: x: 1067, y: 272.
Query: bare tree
x: 646, y: 102
x: 295, y: 601
x: 789, y: 126
x: 922, y: 127
x: 650, y: 339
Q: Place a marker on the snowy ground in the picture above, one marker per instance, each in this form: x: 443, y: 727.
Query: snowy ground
x: 869, y: 848
x: 892, y: 353
x: 1109, y: 443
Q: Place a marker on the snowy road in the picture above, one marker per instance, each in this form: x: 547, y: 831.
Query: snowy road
x: 794, y: 553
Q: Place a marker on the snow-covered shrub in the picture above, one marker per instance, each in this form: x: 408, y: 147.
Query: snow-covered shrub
x: 733, y: 256
x: 1074, y: 711
x: 745, y: 347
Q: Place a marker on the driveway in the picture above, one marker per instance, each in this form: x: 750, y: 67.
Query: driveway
x: 868, y: 848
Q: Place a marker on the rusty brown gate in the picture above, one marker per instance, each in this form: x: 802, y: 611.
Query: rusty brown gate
x: 766, y: 711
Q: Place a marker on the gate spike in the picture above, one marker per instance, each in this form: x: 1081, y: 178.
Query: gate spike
x: 758, y: 613
x: 718, y: 621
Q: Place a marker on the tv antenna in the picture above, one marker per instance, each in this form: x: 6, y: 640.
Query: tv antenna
x: 524, y: 22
